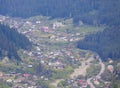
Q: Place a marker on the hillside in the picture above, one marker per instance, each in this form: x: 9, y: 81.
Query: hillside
x: 89, y: 11
x: 105, y: 43
x: 11, y: 41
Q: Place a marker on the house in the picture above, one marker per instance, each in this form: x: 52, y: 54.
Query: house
x: 110, y: 68
x: 38, y: 49
x: 110, y: 61
x: 45, y: 29
x: 2, y: 18
x: 28, y: 22
x: 1, y: 74
x: 96, y: 82
x: 82, y: 83
x: 9, y: 80
x: 38, y: 22
x: 26, y: 75
x: 30, y: 66
x: 68, y: 53
x: 57, y: 25
x: 17, y: 81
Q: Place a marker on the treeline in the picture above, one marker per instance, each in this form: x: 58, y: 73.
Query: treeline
x: 106, y: 43
x: 53, y: 8
x: 11, y: 41
x: 89, y: 11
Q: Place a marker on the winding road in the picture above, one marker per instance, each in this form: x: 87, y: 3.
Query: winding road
x: 78, y: 71
x: 82, y: 71
x: 98, y: 75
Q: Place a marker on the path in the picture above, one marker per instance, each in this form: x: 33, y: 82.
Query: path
x: 82, y: 69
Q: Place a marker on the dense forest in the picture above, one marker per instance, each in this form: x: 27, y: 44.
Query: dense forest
x: 106, y: 43
x: 11, y: 41
x: 89, y: 11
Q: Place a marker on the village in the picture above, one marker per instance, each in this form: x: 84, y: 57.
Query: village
x: 53, y: 56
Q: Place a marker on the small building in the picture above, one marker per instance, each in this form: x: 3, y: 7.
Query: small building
x: 110, y: 61
x: 110, y: 68
x: 82, y: 83
x: 45, y: 29
x: 1, y: 74
x: 26, y: 75
x: 57, y: 25
x: 30, y: 66
x: 68, y: 53
x: 38, y: 22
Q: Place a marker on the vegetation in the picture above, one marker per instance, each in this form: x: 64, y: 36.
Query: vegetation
x: 3, y: 84
x: 105, y: 43
x: 41, y: 70
x: 62, y: 74
x: 93, y: 70
x: 11, y: 41
x: 88, y: 11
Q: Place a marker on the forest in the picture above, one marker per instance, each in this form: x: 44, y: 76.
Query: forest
x: 105, y: 43
x: 89, y: 11
x: 11, y: 41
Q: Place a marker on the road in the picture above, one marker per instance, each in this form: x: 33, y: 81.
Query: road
x: 90, y: 83
x: 98, y: 75
x: 82, y: 69
x: 78, y: 71
x: 102, y: 69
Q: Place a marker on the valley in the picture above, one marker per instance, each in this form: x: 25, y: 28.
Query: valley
x: 54, y: 61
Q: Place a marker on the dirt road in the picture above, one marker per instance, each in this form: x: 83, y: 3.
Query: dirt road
x: 82, y: 69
